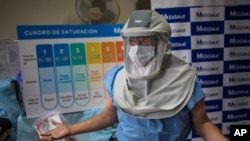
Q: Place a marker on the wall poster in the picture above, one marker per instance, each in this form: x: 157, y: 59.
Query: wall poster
x: 63, y: 65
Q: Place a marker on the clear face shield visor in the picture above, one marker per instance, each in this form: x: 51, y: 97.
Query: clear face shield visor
x: 141, y: 49
x: 143, y: 55
x: 143, y: 40
x: 131, y: 41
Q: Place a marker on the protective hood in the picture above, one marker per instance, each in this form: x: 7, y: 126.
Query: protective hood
x: 145, y: 23
x: 165, y: 93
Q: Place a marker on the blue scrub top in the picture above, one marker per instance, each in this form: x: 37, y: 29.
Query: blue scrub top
x: 131, y: 128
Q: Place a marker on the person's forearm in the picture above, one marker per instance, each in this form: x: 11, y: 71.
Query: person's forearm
x: 93, y: 124
x: 205, y: 128
x: 210, y: 132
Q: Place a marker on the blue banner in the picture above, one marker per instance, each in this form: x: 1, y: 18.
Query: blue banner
x: 26, y: 32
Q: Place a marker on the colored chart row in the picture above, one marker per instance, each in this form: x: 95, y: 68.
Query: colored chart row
x: 68, y: 71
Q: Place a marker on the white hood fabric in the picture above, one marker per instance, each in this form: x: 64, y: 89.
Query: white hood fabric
x: 169, y: 90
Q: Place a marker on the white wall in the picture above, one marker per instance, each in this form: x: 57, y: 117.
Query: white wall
x: 25, y: 12
x: 40, y: 12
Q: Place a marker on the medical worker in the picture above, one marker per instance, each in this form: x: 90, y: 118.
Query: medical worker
x: 155, y: 96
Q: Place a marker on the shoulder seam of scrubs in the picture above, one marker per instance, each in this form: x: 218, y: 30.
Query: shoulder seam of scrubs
x: 117, y: 69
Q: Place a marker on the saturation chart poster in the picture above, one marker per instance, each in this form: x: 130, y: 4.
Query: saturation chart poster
x: 63, y: 66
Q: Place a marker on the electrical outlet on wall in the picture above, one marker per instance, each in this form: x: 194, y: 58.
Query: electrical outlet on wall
x: 12, y: 54
x: 9, y: 58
